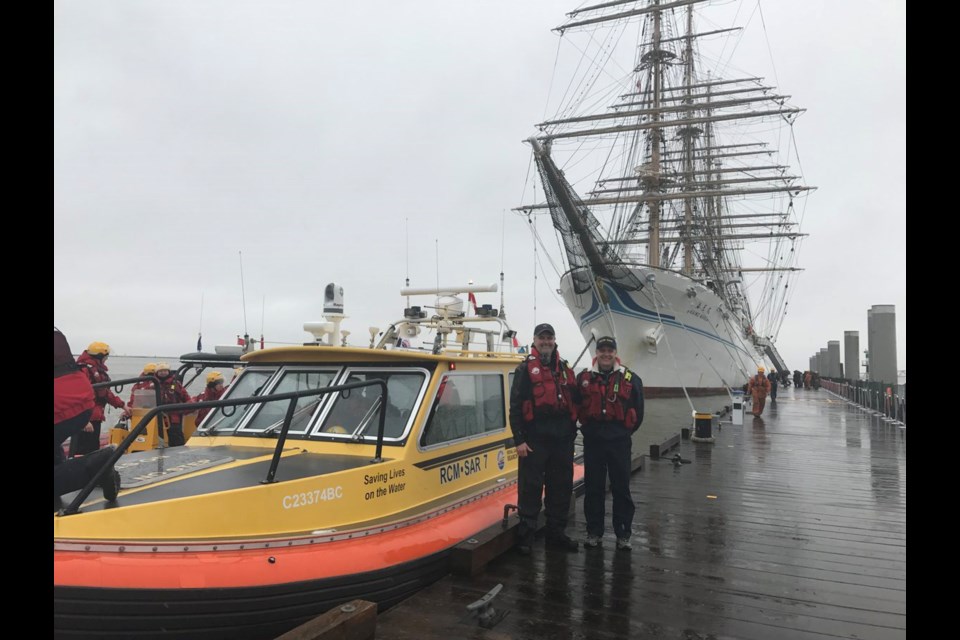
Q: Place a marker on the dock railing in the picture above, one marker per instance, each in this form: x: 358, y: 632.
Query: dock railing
x: 880, y: 398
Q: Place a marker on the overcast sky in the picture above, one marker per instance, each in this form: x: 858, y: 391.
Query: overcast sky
x: 316, y: 137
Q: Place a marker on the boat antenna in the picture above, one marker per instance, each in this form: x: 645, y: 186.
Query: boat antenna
x: 243, y: 296
x: 263, y: 311
x: 200, y: 327
x: 503, y: 235
x: 407, y: 232
x: 436, y: 242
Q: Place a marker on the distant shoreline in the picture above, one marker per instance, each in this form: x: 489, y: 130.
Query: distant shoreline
x: 124, y: 355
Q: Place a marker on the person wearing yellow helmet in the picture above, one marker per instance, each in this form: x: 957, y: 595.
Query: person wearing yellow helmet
x: 149, y: 369
x: 172, y: 392
x: 759, y: 388
x: 93, y: 363
x: 213, y: 392
x: 74, y: 401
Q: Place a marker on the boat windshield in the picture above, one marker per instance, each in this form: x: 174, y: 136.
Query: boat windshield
x: 250, y: 383
x: 355, y: 413
x: 269, y: 417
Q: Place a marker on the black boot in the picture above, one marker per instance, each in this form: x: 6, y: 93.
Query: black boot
x: 110, y: 480
x: 524, y: 540
x: 560, y: 540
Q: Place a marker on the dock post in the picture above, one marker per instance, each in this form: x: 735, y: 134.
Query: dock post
x: 736, y: 413
x: 703, y: 427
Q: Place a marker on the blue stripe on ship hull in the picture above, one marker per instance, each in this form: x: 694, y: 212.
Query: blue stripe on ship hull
x: 623, y: 304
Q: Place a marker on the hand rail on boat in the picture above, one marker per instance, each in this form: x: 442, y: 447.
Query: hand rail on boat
x: 119, y: 384
x: 292, y: 396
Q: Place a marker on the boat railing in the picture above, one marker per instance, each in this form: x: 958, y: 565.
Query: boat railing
x: 455, y: 334
x: 291, y: 396
x: 118, y: 385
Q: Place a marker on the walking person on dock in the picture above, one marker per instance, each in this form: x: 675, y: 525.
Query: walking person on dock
x: 172, y: 392
x: 797, y: 379
x: 774, y: 383
x: 610, y: 411
x: 543, y: 402
x: 807, y: 379
x: 759, y: 387
x: 93, y: 362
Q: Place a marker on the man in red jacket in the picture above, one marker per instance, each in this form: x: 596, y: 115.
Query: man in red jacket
x: 73, y: 404
x: 172, y: 392
x: 213, y: 392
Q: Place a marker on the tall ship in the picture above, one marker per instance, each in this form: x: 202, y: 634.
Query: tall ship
x: 665, y: 174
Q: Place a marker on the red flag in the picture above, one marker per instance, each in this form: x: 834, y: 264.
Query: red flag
x: 241, y: 342
x: 261, y: 341
x: 516, y: 343
x: 473, y: 300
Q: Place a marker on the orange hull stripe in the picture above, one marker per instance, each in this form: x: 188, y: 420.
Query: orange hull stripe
x: 225, y: 569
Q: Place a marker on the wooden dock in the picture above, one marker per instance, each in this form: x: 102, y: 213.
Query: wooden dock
x: 791, y: 526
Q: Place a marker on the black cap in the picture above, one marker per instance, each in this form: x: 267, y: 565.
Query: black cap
x: 544, y: 328
x: 606, y: 341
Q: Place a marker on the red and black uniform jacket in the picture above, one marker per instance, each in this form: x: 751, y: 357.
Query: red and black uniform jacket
x: 72, y: 393
x: 172, y: 392
x: 96, y: 372
x: 611, y: 404
x: 210, y: 393
x: 543, y: 399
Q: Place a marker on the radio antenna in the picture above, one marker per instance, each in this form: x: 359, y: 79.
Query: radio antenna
x: 407, y: 232
x: 243, y: 296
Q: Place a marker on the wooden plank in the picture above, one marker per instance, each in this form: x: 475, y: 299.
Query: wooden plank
x: 439, y: 612
x: 792, y: 527
x: 355, y: 620
x: 658, y: 450
x: 472, y: 555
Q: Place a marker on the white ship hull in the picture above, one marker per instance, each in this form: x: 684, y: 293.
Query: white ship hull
x: 674, y: 333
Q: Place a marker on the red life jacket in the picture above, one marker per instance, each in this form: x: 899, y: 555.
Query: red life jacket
x: 550, y: 389
x: 72, y: 395
x: 210, y: 393
x: 172, y: 392
x: 607, y: 401
x: 96, y: 372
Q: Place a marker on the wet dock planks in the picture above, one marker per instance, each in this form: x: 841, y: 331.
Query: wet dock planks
x: 792, y: 526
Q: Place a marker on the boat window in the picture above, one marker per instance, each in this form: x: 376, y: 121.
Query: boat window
x: 270, y: 416
x: 250, y: 383
x: 195, y: 380
x: 466, y: 405
x: 356, y: 412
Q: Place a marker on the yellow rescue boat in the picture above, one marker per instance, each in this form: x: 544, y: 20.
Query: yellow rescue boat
x: 356, y: 479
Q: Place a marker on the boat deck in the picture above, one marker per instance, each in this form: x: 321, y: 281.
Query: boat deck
x: 790, y: 527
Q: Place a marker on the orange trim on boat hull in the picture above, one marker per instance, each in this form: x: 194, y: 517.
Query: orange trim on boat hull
x: 286, y: 562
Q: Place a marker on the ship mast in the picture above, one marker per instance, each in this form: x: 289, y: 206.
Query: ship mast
x: 653, y: 251
x: 688, y: 136
x: 667, y: 183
